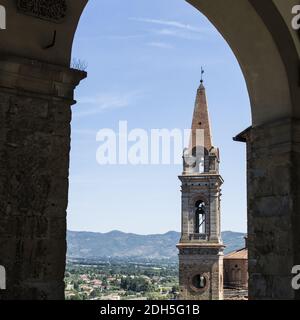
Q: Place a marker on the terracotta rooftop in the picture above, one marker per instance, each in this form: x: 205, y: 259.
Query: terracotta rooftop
x: 239, y: 254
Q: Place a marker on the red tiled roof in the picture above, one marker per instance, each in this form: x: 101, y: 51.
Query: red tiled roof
x: 239, y: 254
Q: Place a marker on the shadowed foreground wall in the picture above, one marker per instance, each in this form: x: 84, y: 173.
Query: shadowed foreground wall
x: 35, y: 115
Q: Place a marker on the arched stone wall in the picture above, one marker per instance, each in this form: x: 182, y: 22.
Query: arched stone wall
x: 28, y: 36
x: 36, y: 92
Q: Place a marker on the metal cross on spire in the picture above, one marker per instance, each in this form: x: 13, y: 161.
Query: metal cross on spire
x: 202, y: 72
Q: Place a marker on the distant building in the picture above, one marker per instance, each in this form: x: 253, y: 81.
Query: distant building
x: 236, y: 269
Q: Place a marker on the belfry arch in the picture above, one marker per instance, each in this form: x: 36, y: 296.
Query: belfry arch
x: 36, y: 93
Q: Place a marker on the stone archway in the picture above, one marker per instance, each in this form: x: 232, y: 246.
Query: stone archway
x: 36, y: 92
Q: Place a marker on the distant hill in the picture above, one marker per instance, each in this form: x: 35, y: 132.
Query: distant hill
x: 117, y: 244
x: 233, y: 241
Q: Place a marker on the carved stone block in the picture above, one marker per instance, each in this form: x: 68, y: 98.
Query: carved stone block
x: 51, y: 10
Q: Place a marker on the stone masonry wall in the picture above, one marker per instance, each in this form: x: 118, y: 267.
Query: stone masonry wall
x: 194, y: 262
x: 273, y: 154
x: 35, y: 117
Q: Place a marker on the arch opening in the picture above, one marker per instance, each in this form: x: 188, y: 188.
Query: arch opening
x: 37, y: 86
x: 200, y: 218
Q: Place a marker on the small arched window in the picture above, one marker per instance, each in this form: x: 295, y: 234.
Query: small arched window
x: 200, y: 217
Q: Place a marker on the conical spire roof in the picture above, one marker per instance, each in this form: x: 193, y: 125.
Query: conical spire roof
x: 201, y: 122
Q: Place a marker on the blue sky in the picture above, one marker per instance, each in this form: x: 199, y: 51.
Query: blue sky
x: 144, y: 60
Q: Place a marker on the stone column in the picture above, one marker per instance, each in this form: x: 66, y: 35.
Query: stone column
x: 185, y: 217
x: 213, y: 216
x: 35, y: 115
x: 273, y: 153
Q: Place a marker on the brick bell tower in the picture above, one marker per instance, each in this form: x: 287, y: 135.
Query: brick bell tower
x: 200, y: 246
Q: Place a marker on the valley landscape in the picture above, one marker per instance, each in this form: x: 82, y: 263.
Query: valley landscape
x: 126, y: 266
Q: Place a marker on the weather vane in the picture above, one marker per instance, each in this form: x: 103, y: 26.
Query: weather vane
x: 202, y: 72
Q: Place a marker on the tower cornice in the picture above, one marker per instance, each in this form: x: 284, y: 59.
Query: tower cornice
x: 201, y: 177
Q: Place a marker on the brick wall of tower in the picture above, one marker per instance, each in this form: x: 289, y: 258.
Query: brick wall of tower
x: 208, y: 262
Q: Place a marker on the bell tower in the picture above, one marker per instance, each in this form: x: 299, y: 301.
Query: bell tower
x: 200, y: 246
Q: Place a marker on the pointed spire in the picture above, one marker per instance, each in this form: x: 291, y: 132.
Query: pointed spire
x: 201, y: 119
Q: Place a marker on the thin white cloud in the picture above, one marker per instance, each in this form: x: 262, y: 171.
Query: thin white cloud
x: 122, y: 37
x: 161, y: 45
x: 179, y: 34
x: 96, y: 37
x: 171, y: 23
x: 105, y: 101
